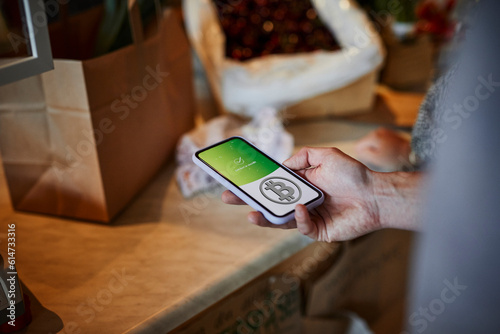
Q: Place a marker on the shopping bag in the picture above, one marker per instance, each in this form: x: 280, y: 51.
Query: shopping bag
x: 82, y: 140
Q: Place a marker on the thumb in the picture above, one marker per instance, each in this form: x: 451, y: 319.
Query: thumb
x: 299, y: 160
x: 306, y: 157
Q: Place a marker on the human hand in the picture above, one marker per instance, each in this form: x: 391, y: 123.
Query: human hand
x: 349, y: 209
x: 384, y: 149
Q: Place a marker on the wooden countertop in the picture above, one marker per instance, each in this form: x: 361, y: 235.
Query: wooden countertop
x: 151, y: 267
x: 162, y: 261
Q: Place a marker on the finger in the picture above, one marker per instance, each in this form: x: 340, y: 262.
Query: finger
x: 257, y: 218
x: 367, y: 154
x: 304, y: 223
x: 306, y: 157
x: 366, y: 144
x: 229, y: 198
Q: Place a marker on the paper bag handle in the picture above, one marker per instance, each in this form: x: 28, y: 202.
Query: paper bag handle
x: 134, y: 14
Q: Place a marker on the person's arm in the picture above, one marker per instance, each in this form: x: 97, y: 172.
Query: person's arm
x: 398, y: 199
x: 357, y: 200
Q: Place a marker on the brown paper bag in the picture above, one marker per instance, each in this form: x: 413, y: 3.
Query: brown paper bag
x: 409, y: 65
x: 80, y: 141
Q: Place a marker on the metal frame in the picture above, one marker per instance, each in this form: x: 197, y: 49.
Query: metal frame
x: 41, y: 59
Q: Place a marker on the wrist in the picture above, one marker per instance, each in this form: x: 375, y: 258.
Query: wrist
x: 397, y: 199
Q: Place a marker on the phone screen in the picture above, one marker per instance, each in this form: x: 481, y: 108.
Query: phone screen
x: 274, y: 187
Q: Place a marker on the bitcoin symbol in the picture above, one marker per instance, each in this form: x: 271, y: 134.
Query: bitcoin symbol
x: 279, y: 188
x: 283, y: 191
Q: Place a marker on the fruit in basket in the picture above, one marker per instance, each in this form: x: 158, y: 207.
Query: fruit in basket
x: 256, y: 28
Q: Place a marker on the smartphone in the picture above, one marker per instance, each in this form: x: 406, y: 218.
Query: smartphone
x: 261, y: 182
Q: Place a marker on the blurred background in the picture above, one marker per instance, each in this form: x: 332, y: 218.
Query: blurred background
x: 103, y: 103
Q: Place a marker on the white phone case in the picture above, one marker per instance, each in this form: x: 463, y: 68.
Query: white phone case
x: 249, y: 200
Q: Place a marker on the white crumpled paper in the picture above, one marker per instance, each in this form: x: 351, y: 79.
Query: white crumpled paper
x: 265, y: 130
x: 282, y: 80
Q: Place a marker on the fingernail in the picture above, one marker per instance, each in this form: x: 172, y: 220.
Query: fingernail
x: 299, y: 213
x: 251, y: 219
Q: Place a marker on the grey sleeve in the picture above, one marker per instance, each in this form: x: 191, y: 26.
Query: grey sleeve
x: 426, y: 132
x: 455, y: 277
